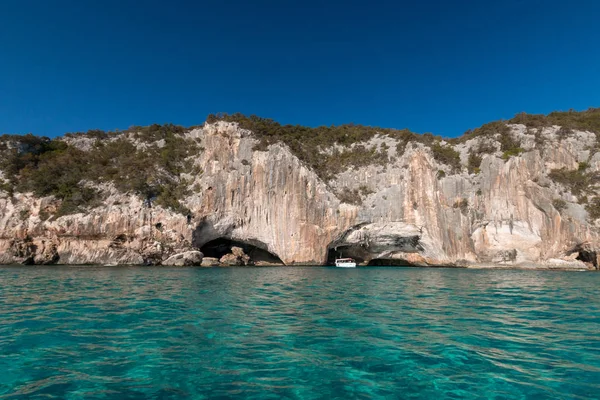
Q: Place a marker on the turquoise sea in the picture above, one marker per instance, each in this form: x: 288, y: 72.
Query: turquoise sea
x: 298, y: 333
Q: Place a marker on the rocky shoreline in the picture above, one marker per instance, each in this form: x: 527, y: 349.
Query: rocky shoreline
x: 27, y: 253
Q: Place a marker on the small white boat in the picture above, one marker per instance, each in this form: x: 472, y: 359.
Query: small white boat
x: 345, y: 263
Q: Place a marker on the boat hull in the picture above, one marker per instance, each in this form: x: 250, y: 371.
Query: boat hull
x: 346, y: 265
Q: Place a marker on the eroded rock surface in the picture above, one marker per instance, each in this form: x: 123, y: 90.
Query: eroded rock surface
x: 210, y: 262
x: 185, y: 259
x: 237, y: 257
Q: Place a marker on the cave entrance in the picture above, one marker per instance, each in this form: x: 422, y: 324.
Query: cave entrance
x: 219, y: 247
x: 586, y: 254
x: 589, y: 257
x: 358, y: 253
x: 389, y: 262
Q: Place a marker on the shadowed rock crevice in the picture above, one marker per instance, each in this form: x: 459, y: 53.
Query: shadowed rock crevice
x: 221, y: 247
x: 586, y: 254
x: 588, y: 257
x: 390, y: 262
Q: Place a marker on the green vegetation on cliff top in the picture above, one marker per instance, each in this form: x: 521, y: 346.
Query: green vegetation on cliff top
x: 328, y: 150
x: 588, y: 120
x: 52, y: 167
x: 152, y: 167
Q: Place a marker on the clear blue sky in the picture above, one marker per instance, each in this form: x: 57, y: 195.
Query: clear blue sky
x: 431, y: 66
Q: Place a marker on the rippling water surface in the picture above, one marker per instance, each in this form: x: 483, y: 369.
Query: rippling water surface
x: 298, y: 333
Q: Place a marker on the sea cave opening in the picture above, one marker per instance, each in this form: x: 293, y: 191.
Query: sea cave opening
x: 358, y: 253
x: 389, y: 262
x: 220, y: 247
x: 588, y: 257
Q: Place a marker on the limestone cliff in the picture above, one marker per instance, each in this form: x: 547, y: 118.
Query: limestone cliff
x: 511, y: 210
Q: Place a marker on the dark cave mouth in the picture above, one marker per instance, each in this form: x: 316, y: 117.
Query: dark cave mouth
x: 355, y: 252
x: 217, y: 248
x: 588, y: 257
x: 363, y: 257
x: 389, y: 262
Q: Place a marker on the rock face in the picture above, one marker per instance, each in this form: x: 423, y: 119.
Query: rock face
x: 185, y: 259
x: 210, y: 262
x: 413, y: 210
x: 236, y: 258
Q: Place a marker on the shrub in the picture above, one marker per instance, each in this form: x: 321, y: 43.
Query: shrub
x: 53, y: 168
x: 350, y: 197
x: 474, y: 163
x: 365, y: 191
x: 512, y: 153
x: 6, y: 187
x: 588, y: 120
x: 462, y: 204
x: 44, y: 215
x: 485, y: 147
x: 24, y: 214
x: 510, y: 146
x: 490, y: 129
x: 575, y: 180
x: 446, y: 155
x: 78, y: 200
x: 593, y: 208
x: 564, y: 132
x: 559, y: 204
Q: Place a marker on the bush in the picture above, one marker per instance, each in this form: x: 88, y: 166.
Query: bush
x: 365, y: 191
x: 474, y: 163
x: 512, y: 153
x: 490, y: 129
x: 446, y: 155
x: 6, y: 187
x: 78, y: 200
x: 588, y: 120
x: 593, y: 208
x: 53, y: 168
x: 462, y: 204
x: 575, y: 180
x: 564, y: 132
x: 559, y: 204
x: 24, y: 214
x: 486, y: 147
x: 350, y: 197
x: 507, y: 142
